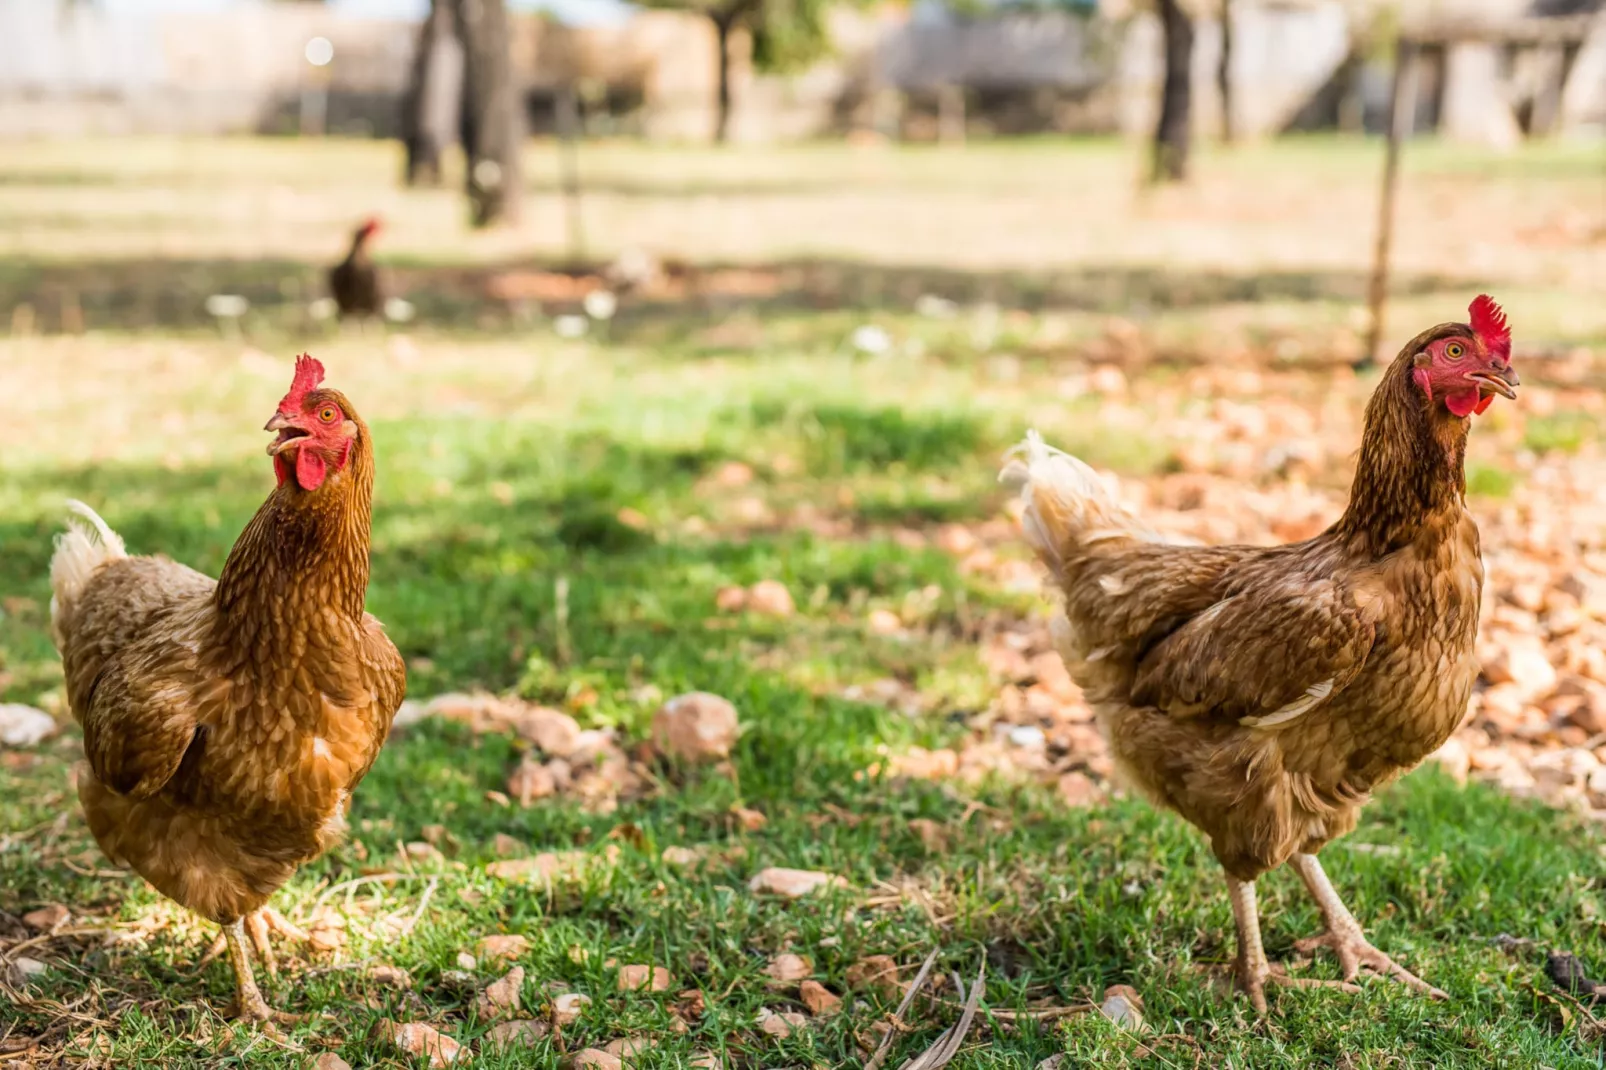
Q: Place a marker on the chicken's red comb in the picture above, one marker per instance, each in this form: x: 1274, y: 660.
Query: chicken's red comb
x: 309, y: 376
x: 1489, y: 321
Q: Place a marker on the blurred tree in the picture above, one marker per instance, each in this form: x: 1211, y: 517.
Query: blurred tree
x: 788, y: 35
x: 434, y: 95
x: 493, y: 112
x: 1172, y: 134
x: 1224, y: 74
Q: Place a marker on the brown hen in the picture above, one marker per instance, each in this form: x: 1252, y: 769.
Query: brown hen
x: 1264, y: 693
x: 354, y: 282
x: 226, y: 724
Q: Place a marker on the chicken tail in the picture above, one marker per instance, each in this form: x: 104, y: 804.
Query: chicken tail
x: 80, y: 552
x: 1066, y: 503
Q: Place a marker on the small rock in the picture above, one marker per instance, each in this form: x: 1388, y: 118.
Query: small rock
x: 416, y: 1038
x: 553, y: 731
x: 501, y: 997
x: 330, y: 1061
x: 1454, y: 758
x: 695, y: 727
x: 1078, y: 789
x: 1123, y: 1006
x: 651, y: 978
x: 521, y: 1033
x: 568, y: 1008
x: 390, y: 977
x: 627, y: 1048
x: 30, y: 969
x: 884, y: 622
x: 750, y: 820
x: 704, y: 1060
x: 596, y: 1059
x: 679, y: 856
x: 784, y: 969
x: 24, y: 726
x: 820, y: 1000
x: 503, y: 947
x: 779, y: 1024
x: 1053, y: 1062
x: 790, y: 883
x: 770, y: 598
x: 465, y: 961
x: 878, y: 973
x: 932, y: 834
x: 1028, y: 736
x: 956, y: 539
x: 47, y: 918
x: 505, y: 846
x: 1522, y: 662
x: 531, y: 781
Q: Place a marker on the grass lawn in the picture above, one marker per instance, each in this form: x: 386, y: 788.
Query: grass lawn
x: 514, y: 464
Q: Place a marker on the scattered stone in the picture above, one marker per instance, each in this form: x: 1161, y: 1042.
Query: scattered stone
x: 878, y: 973
x: 520, y: 1033
x: 679, y: 856
x: 502, y: 947
x: 568, y: 1007
x: 785, y: 969
x: 330, y: 1061
x: 770, y: 598
x: 695, y: 727
x: 390, y: 977
x: 552, y: 731
x: 24, y: 726
x: 501, y: 997
x: 780, y: 1024
x: 650, y: 978
x: 596, y: 1059
x: 1078, y: 789
x: 416, y: 1039
x: 791, y: 883
x: 48, y: 918
x: 531, y: 781
x: 1123, y: 1006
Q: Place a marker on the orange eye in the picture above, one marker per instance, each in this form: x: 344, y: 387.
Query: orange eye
x: 328, y: 414
x: 1455, y: 350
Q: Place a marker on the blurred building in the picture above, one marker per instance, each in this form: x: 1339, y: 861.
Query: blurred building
x: 1490, y: 70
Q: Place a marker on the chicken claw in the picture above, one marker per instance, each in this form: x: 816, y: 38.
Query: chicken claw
x: 1344, y: 936
x: 1253, y: 970
x: 260, y: 924
x: 249, y: 1005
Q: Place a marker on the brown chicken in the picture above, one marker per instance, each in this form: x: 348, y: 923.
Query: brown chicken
x: 226, y: 723
x: 354, y: 282
x: 1264, y: 693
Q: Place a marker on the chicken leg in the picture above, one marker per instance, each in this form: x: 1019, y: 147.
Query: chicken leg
x: 1254, y: 971
x: 1344, y: 936
x: 260, y: 924
x: 249, y: 1004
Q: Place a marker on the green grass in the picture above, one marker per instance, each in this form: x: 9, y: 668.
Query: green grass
x: 506, y: 458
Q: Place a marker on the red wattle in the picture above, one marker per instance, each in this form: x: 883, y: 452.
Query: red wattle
x: 1484, y: 403
x: 1463, y: 402
x: 310, y: 469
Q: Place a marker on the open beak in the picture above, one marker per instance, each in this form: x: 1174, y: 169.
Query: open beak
x: 289, y: 433
x: 1502, y: 381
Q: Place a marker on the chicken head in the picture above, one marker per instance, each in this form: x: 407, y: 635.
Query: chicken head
x: 1464, y: 365
x: 315, y: 429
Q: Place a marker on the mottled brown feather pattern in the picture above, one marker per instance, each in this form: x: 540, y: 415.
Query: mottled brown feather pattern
x: 1365, y: 631
x: 226, y: 724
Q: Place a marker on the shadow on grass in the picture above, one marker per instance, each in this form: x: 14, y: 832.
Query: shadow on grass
x: 160, y: 293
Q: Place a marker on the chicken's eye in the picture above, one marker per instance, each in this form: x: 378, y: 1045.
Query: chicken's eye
x: 1455, y: 350
x: 328, y: 414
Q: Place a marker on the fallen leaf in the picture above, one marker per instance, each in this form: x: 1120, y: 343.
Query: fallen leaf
x: 506, y: 846
x: 1123, y: 1006
x: 502, y: 947
x: 554, y: 731
x: 791, y: 883
x: 568, y: 1007
x: 691, y: 1004
x: 731, y: 599
x: 1078, y: 789
x: 530, y: 781
x: 651, y: 978
x: 501, y: 997
x: 679, y: 856
x: 878, y: 973
x: 520, y: 1033
x: 597, y: 1059
x: 626, y: 1049
x: 932, y: 835
x: 704, y: 1060
x: 330, y: 1061
x: 1053, y: 1062
x: 695, y: 727
x: 416, y: 1038
x: 784, y: 969
x: 820, y: 1000
x: 749, y: 820
x: 47, y: 918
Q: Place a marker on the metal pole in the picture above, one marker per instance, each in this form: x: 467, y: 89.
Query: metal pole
x: 1402, y: 116
x: 568, y: 117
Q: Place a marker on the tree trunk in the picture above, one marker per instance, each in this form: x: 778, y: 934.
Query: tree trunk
x: 1229, y: 131
x: 433, y: 95
x: 1172, y: 134
x: 493, y: 113
x: 722, y: 104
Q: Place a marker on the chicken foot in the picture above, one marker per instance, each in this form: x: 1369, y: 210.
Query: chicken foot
x: 1254, y: 971
x: 259, y: 924
x: 1344, y: 935
x: 249, y: 1004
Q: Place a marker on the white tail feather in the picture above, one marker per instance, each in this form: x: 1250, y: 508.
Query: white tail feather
x: 80, y: 553
x: 1065, y: 501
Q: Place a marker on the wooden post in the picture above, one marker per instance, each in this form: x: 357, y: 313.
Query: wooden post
x: 1173, y: 132
x: 1402, y: 117
x: 567, y: 115
x: 950, y: 114
x: 1229, y: 129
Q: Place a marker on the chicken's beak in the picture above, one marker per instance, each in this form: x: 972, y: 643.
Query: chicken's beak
x: 1497, y: 380
x: 289, y: 433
